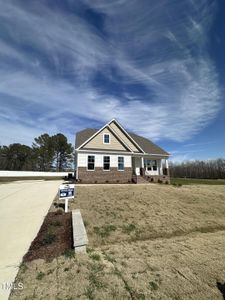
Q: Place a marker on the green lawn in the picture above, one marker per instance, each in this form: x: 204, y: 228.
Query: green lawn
x: 185, y: 181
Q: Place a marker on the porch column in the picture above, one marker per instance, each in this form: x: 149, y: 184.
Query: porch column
x: 161, y: 167
x: 142, y: 162
x: 167, y: 167
x: 142, y: 167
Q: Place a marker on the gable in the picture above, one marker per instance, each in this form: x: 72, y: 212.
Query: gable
x: 123, y: 137
x: 97, y: 142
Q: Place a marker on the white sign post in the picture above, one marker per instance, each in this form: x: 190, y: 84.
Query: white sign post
x: 66, y: 192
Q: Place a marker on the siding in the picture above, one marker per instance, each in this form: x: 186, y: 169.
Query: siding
x: 123, y: 137
x: 97, y: 142
x: 82, y: 160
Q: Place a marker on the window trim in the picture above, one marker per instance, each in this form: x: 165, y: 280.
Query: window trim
x: 87, y: 164
x: 104, y: 134
x: 118, y: 164
x: 107, y: 170
x: 151, y: 165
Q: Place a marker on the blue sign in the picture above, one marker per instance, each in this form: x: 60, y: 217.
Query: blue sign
x: 66, y: 191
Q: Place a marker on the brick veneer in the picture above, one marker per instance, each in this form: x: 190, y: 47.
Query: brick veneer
x: 101, y: 176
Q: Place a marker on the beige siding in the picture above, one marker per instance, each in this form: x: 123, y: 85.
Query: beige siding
x: 97, y: 142
x: 123, y: 137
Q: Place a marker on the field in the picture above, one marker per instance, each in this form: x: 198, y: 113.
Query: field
x: 145, y: 242
x: 186, y: 181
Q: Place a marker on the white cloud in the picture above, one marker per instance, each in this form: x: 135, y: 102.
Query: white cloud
x: 157, y: 46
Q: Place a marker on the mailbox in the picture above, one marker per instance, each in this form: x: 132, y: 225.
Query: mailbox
x: 66, y: 191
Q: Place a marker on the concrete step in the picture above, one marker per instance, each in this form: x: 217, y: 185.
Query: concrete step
x: 80, y: 239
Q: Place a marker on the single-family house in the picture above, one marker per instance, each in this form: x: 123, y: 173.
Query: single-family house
x: 113, y: 155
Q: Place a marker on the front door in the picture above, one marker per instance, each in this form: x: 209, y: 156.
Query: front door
x: 136, y: 162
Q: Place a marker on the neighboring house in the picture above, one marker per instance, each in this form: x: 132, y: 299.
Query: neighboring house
x: 111, y: 154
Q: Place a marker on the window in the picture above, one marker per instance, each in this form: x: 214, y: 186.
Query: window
x: 91, y: 162
x: 151, y: 165
x: 106, y: 162
x: 106, y: 138
x: 121, y: 163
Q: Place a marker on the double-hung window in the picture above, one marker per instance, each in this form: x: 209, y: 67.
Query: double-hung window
x: 106, y: 163
x: 106, y: 138
x: 120, y: 163
x: 151, y: 165
x: 91, y: 162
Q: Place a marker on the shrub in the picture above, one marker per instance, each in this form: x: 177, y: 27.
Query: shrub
x: 59, y: 212
x: 49, y: 238
x: 56, y: 223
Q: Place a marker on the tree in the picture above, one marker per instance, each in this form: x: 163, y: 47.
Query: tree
x: 44, y: 152
x: 208, y: 169
x: 16, y: 157
x: 62, y: 151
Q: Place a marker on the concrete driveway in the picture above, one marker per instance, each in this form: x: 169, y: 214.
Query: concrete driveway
x: 23, y: 206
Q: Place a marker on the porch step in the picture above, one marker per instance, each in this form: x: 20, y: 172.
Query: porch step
x: 139, y: 179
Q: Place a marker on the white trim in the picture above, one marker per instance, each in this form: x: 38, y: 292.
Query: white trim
x: 124, y: 130
x: 121, y: 140
x: 104, y: 134
x: 107, y: 124
x: 91, y: 137
x: 122, y: 152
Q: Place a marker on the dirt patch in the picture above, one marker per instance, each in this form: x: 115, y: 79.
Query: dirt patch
x: 53, y: 238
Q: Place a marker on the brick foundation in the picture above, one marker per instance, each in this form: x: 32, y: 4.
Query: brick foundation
x: 158, y: 178
x: 100, y: 176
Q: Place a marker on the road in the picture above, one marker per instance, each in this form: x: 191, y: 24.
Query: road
x: 23, y: 206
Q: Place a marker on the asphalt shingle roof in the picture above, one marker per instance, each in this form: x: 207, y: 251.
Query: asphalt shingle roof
x: 145, y: 144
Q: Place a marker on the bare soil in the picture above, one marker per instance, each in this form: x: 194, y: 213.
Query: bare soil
x: 145, y: 242
x: 53, y: 238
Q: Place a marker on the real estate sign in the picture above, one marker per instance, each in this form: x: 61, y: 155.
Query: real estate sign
x: 66, y: 191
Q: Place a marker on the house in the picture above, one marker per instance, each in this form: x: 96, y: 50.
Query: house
x: 113, y: 155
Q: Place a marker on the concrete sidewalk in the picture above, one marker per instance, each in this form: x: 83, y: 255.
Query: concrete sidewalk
x: 23, y: 206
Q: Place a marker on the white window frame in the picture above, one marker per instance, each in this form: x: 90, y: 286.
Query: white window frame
x: 104, y: 138
x: 103, y: 163
x: 151, y: 163
x: 118, y: 164
x: 94, y: 163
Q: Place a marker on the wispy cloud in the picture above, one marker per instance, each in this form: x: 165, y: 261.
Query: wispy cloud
x: 49, y: 59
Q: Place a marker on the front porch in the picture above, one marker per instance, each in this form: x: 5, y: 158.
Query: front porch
x: 150, y: 169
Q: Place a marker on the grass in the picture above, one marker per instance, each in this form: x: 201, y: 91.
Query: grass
x: 105, y: 230
x: 69, y: 253
x: 145, y: 242
x: 40, y: 276
x: 129, y: 228
x: 95, y: 256
x: 187, y: 181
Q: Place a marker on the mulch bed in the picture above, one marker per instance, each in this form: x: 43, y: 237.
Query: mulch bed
x: 53, y: 238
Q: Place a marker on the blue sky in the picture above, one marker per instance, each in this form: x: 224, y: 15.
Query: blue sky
x: 156, y: 66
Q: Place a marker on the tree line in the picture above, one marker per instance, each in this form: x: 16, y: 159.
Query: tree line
x: 209, y: 169
x: 47, y: 153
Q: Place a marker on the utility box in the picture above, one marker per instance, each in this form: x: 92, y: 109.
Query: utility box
x: 66, y: 190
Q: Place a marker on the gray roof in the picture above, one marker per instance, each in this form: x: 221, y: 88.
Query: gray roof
x: 145, y: 144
